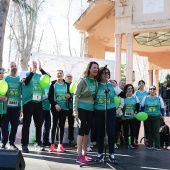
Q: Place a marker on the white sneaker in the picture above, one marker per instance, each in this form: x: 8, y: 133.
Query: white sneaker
x: 116, y: 147
x: 88, y: 149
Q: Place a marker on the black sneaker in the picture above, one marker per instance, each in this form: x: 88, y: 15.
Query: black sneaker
x: 72, y: 143
x: 13, y: 147
x: 99, y: 158
x: 157, y: 148
x: 25, y: 149
x: 3, y: 146
x: 150, y: 147
x: 112, y: 159
x: 47, y: 145
x: 132, y: 146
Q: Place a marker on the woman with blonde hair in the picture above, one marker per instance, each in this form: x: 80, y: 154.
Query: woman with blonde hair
x: 83, y: 108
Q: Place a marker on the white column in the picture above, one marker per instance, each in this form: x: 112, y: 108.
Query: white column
x: 129, y: 58
x: 157, y: 81
x: 118, y: 42
x: 150, y: 77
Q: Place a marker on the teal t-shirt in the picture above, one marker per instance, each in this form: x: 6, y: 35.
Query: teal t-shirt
x: 14, y: 91
x: 45, y: 102
x: 141, y: 95
x: 152, y: 106
x: 92, y: 88
x: 100, y: 99
x: 2, y: 107
x: 60, y: 92
x: 129, y: 107
x: 32, y: 91
x: 71, y: 102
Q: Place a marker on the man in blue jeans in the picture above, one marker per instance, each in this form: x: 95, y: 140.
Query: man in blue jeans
x: 13, y: 107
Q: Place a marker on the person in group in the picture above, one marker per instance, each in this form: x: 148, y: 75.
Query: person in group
x: 119, y: 114
x: 140, y: 93
x: 83, y: 108
x: 105, y: 95
x: 122, y: 84
x: 46, y: 116
x: 58, y: 97
x: 32, y: 104
x: 164, y: 92
x: 131, y: 107
x: 3, y: 98
x: 153, y: 105
x: 13, y: 107
x: 68, y: 79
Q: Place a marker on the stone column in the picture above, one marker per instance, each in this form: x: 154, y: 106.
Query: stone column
x: 118, y: 43
x: 129, y: 58
x: 157, y: 81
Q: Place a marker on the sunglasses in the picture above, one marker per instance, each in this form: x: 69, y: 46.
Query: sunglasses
x: 130, y: 88
x: 106, y: 73
x: 1, y: 73
x: 152, y: 89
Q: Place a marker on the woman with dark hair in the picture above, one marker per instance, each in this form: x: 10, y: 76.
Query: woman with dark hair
x: 131, y: 107
x: 83, y: 108
x: 140, y: 93
x: 100, y: 108
x: 153, y: 105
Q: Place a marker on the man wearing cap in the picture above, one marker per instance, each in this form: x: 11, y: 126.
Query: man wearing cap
x: 165, y: 94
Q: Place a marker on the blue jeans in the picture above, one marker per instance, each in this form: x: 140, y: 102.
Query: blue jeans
x: 11, y: 117
x: 46, y: 119
x: 110, y: 129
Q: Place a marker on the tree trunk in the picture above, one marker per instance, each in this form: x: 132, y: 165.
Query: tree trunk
x: 4, y: 7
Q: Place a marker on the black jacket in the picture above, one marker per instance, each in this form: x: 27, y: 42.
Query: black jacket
x: 51, y: 93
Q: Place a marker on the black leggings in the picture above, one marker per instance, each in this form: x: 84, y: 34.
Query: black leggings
x: 86, y: 121
x: 61, y: 117
x: 129, y: 123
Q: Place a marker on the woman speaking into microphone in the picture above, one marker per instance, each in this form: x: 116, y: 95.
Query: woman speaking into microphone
x: 100, y: 110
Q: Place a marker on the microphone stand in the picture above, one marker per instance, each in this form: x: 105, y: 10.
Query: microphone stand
x: 104, y: 161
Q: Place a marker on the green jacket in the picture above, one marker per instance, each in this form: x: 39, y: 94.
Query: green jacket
x: 82, y: 94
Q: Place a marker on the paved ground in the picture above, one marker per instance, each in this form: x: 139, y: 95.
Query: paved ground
x: 128, y: 159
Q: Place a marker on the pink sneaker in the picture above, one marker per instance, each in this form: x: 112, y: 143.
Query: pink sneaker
x: 81, y: 159
x: 87, y: 158
x: 51, y: 148
x: 61, y: 148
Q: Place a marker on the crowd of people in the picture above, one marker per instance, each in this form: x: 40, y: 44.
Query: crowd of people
x: 92, y: 105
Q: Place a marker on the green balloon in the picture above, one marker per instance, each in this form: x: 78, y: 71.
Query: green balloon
x: 141, y: 116
x: 3, y: 87
x: 73, y: 86
x: 44, y: 81
x: 117, y: 101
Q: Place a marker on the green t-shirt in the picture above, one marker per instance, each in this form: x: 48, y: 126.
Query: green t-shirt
x: 45, y: 101
x: 92, y: 88
x: 2, y: 107
x: 14, y: 91
x: 152, y: 106
x: 60, y: 91
x: 100, y: 99
x: 129, y: 107
x: 32, y: 91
